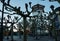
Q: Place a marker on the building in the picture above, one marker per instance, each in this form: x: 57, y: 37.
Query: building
x: 38, y: 12
x: 37, y: 8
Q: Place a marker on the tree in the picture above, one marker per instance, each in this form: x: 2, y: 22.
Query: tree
x: 55, y: 0
x: 58, y: 1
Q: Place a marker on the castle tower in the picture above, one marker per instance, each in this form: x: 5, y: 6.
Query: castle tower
x: 38, y: 10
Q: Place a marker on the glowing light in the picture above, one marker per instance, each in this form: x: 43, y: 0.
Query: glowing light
x: 46, y: 31
x: 14, y: 30
x: 3, y: 24
x: 8, y: 24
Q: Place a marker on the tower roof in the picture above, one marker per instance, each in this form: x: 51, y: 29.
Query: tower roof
x: 37, y: 7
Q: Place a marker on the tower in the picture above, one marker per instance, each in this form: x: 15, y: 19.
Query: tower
x: 37, y: 8
x: 37, y: 11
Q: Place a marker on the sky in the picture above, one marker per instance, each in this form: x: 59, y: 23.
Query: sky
x: 21, y: 3
x: 46, y: 3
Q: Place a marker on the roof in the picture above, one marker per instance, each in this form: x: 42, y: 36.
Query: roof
x: 37, y: 7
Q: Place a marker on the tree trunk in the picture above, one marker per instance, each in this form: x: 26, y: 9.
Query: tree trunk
x: 25, y: 34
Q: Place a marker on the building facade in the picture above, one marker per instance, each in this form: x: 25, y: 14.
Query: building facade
x: 38, y: 12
